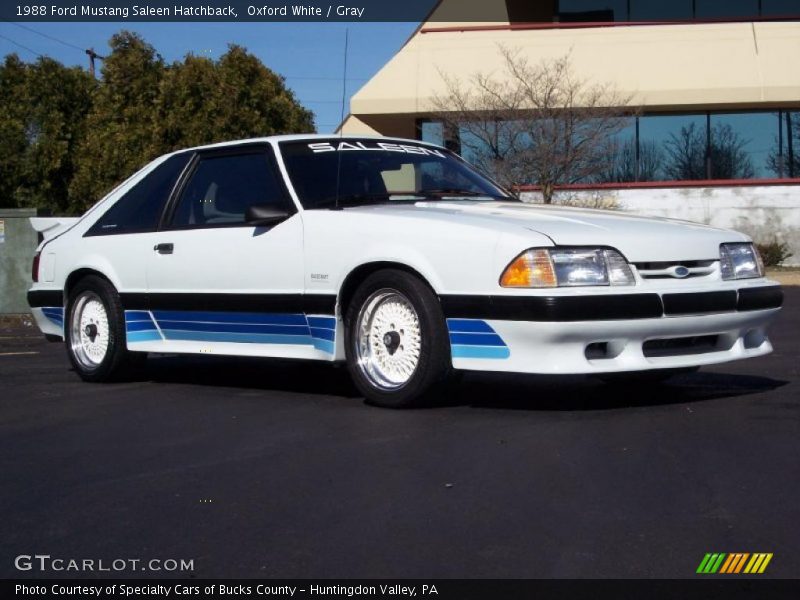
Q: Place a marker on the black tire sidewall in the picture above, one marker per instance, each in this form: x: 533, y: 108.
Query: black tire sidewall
x: 117, y: 353
x: 434, y: 364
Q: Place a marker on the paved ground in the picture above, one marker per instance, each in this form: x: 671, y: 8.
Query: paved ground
x: 265, y: 470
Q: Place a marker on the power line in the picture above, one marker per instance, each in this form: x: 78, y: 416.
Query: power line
x: 48, y: 36
x: 21, y: 46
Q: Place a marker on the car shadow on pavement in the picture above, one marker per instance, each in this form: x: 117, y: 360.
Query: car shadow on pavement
x: 479, y: 390
x: 575, y: 393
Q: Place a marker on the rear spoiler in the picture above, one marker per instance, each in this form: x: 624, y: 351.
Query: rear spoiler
x: 49, y: 227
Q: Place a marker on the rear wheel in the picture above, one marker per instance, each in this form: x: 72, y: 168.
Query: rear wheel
x: 397, y: 345
x: 95, y: 332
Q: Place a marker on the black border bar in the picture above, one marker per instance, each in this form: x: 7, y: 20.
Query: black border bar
x: 694, y: 587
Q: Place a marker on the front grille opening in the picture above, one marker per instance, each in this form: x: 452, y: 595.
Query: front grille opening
x: 699, y: 344
x: 659, y: 270
x: 689, y: 264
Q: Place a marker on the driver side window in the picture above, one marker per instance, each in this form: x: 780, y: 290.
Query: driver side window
x: 222, y: 188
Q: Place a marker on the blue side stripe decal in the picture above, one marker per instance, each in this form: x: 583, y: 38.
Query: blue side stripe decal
x: 151, y: 335
x: 468, y: 326
x: 242, y: 338
x: 54, y: 314
x: 480, y: 352
x: 474, y: 338
x: 323, y: 334
x: 243, y: 328
x: 477, y: 339
x: 322, y: 322
x: 131, y: 326
x: 224, y: 317
x: 250, y: 328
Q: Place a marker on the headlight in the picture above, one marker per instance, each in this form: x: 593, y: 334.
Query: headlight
x: 740, y: 261
x: 567, y: 267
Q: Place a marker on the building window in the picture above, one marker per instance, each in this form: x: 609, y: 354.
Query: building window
x: 595, y: 11
x: 592, y: 11
x: 661, y: 10
x: 721, y: 9
x: 657, y: 147
x: 785, y: 160
x: 780, y: 8
x: 741, y: 144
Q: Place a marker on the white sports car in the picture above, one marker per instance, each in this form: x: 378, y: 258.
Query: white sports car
x: 392, y: 255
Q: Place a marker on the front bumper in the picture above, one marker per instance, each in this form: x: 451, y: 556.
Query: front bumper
x: 611, y: 332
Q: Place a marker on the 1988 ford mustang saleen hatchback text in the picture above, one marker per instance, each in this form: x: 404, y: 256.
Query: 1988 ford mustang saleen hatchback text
x: 394, y: 256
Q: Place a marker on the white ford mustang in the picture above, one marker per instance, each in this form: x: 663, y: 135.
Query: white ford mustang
x: 394, y: 256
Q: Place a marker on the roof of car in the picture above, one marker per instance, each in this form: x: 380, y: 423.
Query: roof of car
x: 301, y: 137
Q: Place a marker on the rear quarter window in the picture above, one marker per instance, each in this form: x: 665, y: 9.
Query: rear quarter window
x: 139, y: 210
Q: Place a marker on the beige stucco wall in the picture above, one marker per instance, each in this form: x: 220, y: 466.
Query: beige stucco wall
x: 665, y: 67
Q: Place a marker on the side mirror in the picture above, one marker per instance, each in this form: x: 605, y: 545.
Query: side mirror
x: 265, y: 214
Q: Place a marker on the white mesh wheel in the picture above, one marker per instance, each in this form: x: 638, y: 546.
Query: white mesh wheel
x: 89, y: 330
x: 388, y: 339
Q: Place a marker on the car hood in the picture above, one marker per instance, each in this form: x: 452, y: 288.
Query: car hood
x: 638, y: 238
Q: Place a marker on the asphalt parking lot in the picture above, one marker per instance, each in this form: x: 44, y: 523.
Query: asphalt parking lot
x: 259, y: 469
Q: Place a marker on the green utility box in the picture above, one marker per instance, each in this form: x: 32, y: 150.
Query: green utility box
x: 18, y: 242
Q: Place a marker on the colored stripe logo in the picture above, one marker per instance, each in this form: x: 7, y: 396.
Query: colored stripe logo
x: 55, y: 314
x: 473, y: 338
x: 734, y: 563
x: 245, y: 328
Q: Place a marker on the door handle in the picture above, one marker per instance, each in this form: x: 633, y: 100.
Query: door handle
x: 164, y: 248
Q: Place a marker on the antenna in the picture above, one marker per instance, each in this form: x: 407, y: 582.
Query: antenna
x: 341, y: 121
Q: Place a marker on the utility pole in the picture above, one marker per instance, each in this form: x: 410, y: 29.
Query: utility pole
x: 92, y: 55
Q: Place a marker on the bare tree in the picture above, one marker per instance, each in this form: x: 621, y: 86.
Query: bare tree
x: 534, y: 123
x: 722, y: 156
x: 628, y: 165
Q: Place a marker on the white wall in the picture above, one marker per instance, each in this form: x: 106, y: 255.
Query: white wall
x: 764, y: 212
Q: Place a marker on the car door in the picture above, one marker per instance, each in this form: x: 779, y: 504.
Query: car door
x: 218, y: 283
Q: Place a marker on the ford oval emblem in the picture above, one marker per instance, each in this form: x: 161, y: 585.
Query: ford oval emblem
x: 681, y: 272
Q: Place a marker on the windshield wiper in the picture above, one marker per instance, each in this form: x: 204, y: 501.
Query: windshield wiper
x: 362, y: 199
x: 455, y: 192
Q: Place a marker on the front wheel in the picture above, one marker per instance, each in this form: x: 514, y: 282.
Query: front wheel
x: 397, y: 345
x: 95, y: 332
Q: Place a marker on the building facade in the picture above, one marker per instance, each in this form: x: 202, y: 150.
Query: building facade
x: 716, y: 80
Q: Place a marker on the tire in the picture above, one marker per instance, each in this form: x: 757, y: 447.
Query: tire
x: 95, y: 333
x: 643, y: 377
x: 396, y: 340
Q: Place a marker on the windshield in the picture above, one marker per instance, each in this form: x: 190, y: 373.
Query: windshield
x: 378, y: 171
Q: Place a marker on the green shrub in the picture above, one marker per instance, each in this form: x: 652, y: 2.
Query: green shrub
x: 774, y: 253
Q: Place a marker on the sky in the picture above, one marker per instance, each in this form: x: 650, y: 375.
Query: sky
x: 309, y: 55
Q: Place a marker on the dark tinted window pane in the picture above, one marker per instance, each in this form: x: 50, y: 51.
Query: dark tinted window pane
x: 780, y: 8
x: 661, y: 10
x: 675, y: 146
x: 140, y: 208
x: 741, y: 145
x: 582, y: 11
x: 721, y: 9
x: 370, y: 171
x: 784, y: 159
x: 622, y: 158
x: 222, y: 188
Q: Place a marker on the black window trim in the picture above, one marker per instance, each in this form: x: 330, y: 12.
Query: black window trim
x: 93, y: 232
x: 264, y: 148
